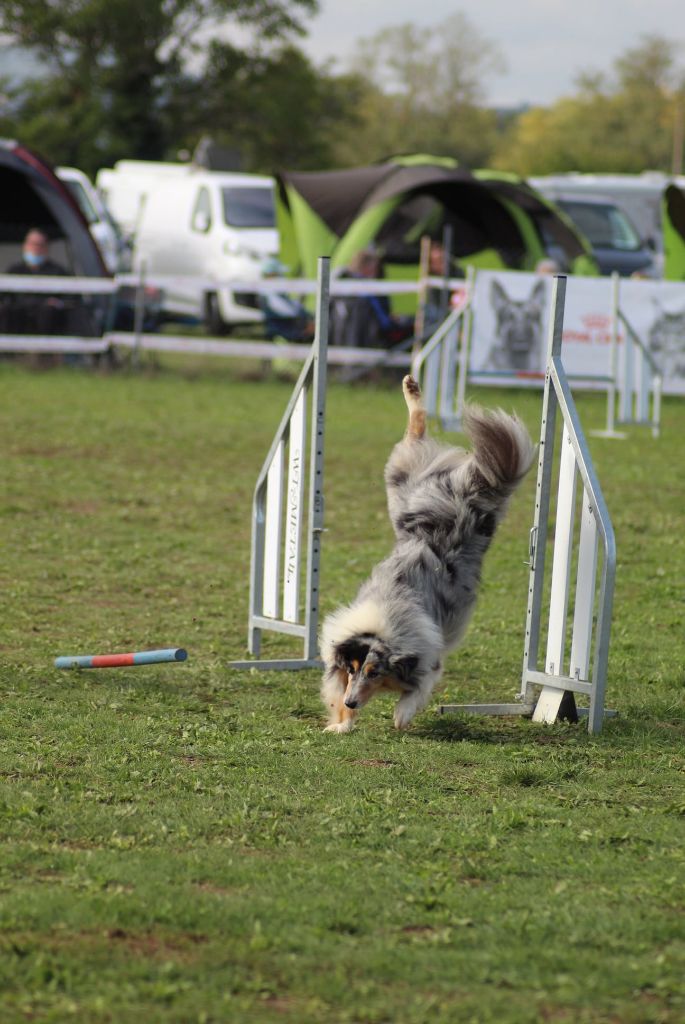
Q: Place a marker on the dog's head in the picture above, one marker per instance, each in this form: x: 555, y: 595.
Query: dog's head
x: 369, y: 665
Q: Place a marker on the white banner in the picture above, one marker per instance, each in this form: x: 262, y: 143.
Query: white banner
x: 510, y: 321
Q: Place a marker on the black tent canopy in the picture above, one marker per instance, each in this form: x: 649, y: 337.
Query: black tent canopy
x: 32, y: 196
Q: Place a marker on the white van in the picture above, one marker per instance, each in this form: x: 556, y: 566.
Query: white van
x: 125, y: 187
x: 204, y: 228
x: 110, y: 241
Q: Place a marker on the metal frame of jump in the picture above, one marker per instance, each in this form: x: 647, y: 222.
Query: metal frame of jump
x: 593, y: 606
x: 439, y: 364
x: 640, y: 376
x: 278, y: 530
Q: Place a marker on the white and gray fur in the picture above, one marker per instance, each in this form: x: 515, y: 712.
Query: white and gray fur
x: 445, y: 504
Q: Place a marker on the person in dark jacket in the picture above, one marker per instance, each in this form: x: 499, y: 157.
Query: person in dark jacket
x: 366, y: 321
x: 36, y: 313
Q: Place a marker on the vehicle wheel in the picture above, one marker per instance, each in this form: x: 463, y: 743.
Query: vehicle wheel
x: 214, y: 322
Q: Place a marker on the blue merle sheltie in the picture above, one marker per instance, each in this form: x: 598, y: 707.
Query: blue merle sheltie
x: 445, y: 504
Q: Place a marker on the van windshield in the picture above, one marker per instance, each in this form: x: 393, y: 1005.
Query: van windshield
x: 83, y: 199
x: 248, y: 207
x: 603, y: 224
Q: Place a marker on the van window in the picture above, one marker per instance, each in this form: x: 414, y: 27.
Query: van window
x: 201, y: 219
x: 602, y: 224
x: 249, y: 207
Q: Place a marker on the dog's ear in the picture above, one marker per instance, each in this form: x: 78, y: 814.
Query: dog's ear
x: 350, y: 650
x: 404, y: 667
x: 498, y: 296
x: 539, y: 294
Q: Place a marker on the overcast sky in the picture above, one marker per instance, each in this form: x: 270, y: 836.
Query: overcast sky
x: 545, y: 43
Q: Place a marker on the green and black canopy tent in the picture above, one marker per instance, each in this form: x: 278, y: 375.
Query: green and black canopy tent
x: 498, y: 221
x: 673, y: 226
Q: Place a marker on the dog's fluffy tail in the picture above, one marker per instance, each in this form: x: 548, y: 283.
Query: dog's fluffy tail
x: 502, y: 449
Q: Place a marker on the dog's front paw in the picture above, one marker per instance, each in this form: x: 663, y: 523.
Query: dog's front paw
x: 346, y: 726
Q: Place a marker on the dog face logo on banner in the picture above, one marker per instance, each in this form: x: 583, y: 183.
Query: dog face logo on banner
x: 667, y: 341
x: 518, y: 331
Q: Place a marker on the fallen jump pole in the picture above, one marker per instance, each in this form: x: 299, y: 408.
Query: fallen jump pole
x: 119, y: 660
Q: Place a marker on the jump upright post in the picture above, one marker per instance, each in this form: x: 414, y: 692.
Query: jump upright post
x: 279, y: 533
x: 439, y: 365
x: 638, y: 376
x: 583, y: 670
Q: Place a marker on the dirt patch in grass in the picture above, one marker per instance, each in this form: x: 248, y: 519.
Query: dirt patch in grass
x: 216, y: 890
x: 151, y: 945
x: 57, y: 451
x: 374, y: 762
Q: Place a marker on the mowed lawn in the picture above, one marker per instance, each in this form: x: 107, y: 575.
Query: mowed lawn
x: 182, y: 843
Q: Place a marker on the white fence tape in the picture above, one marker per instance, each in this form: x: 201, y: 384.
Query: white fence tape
x: 508, y: 315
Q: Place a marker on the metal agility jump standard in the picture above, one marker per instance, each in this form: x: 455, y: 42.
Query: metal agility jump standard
x: 277, y: 512
x: 640, y: 375
x: 556, y: 698
x: 438, y: 365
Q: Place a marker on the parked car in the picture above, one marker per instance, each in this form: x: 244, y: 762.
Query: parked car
x: 616, y: 243
x: 202, y: 227
x: 115, y: 250
x: 639, y: 195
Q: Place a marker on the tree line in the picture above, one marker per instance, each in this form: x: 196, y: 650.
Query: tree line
x: 149, y: 80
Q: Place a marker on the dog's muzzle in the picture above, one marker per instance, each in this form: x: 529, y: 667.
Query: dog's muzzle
x: 351, y: 703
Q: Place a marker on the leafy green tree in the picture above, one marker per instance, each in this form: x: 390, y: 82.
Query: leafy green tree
x: 116, y: 68
x: 275, y: 108
x: 424, y: 92
x: 624, y: 123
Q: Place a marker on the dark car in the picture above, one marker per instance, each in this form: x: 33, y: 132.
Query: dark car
x: 616, y: 244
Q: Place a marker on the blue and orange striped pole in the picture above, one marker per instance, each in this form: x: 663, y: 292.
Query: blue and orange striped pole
x: 117, y: 660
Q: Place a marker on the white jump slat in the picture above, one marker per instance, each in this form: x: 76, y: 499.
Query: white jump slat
x: 448, y: 374
x: 642, y: 394
x: 549, y: 702
x: 626, y: 396
x: 563, y: 546
x: 295, y: 502
x: 583, y: 614
x: 431, y: 379
x: 272, y: 544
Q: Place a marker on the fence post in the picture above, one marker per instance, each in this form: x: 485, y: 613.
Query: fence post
x: 139, y: 317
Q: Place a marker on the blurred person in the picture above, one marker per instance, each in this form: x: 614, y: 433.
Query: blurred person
x: 36, y: 313
x: 284, y: 317
x: 436, y: 301
x: 547, y: 266
x: 366, y: 321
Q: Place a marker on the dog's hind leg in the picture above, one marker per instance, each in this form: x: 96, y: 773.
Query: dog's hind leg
x: 410, y: 456
x: 416, y: 427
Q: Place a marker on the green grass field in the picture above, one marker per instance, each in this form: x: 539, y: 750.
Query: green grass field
x: 182, y: 843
